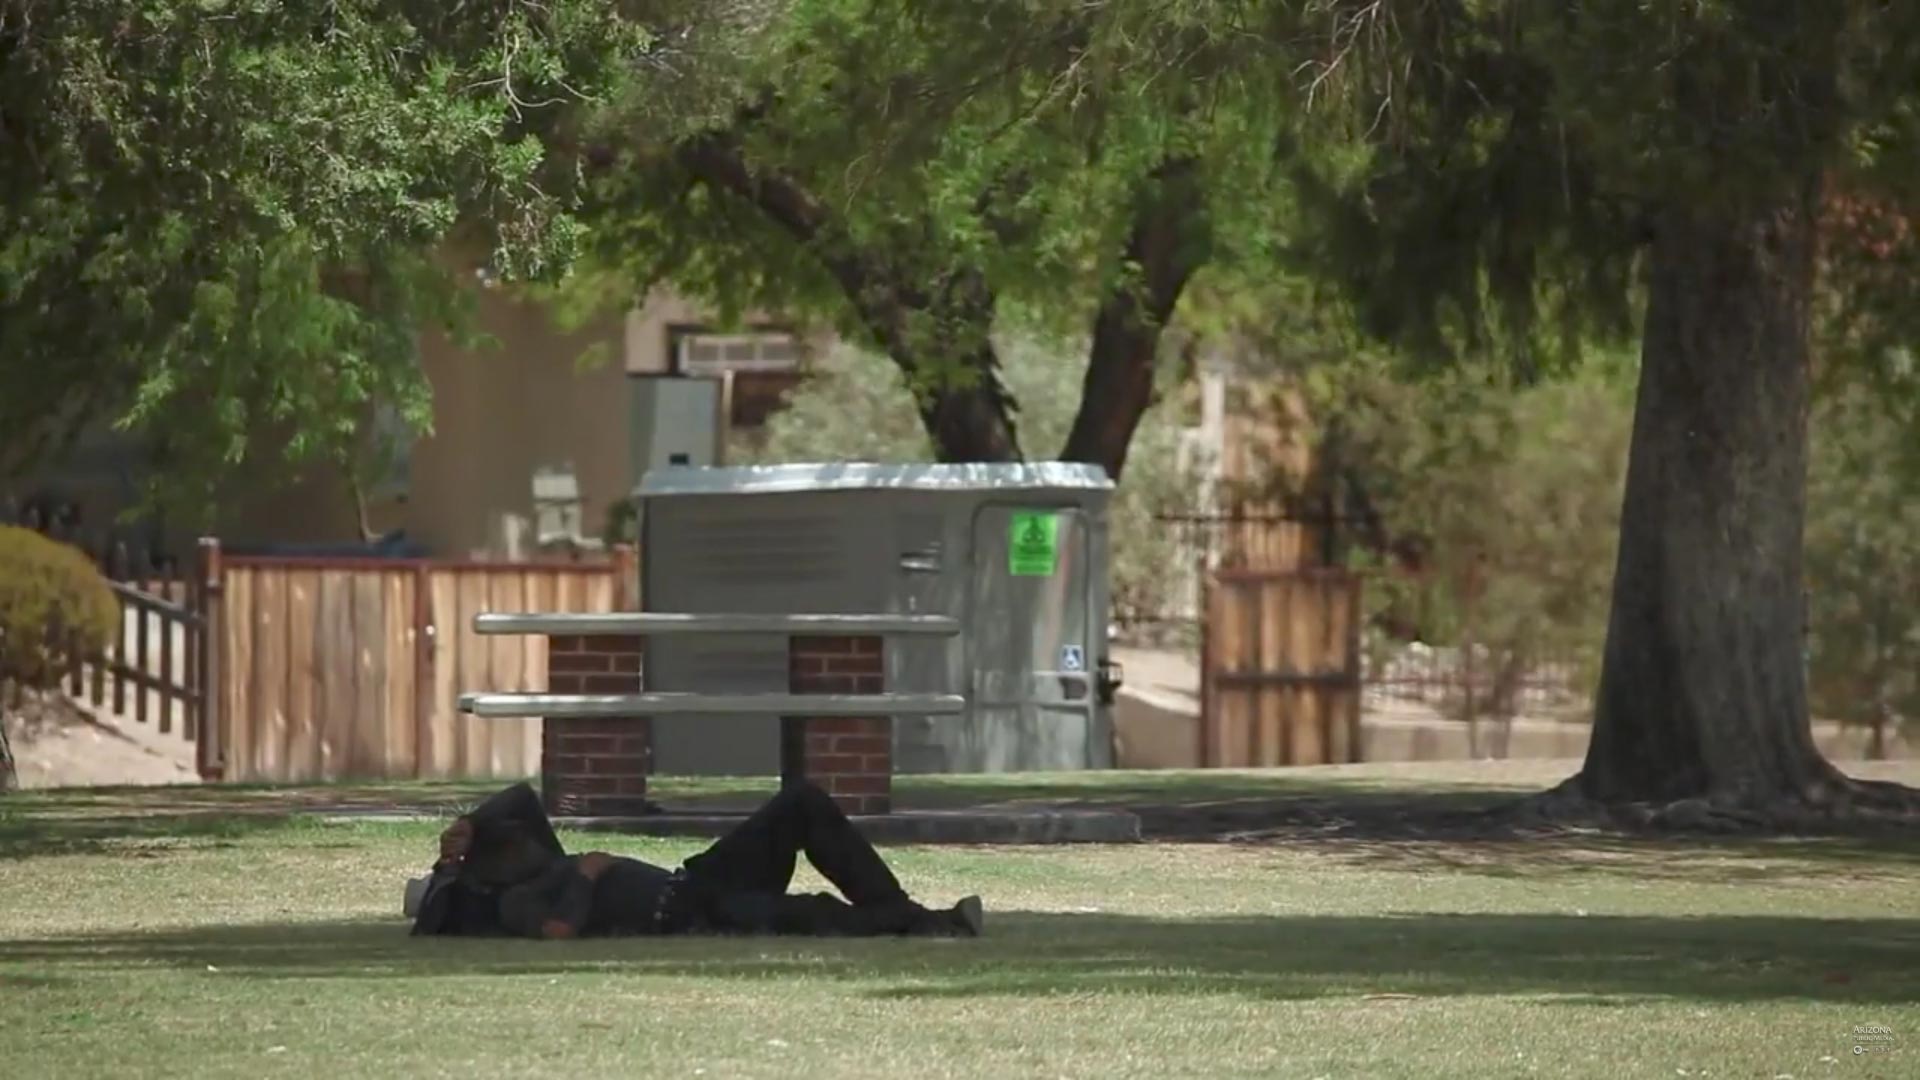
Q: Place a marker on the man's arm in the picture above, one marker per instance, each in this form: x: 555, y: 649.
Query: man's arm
x: 553, y: 906
x: 455, y: 841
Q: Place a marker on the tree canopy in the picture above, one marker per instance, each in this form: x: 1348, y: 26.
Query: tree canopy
x: 912, y: 171
x: 225, y: 215
x: 1531, y: 175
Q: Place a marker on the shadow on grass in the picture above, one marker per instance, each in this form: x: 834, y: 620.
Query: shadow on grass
x: 24, y: 836
x: 1718, y: 958
x: 1705, y: 860
x: 124, y: 820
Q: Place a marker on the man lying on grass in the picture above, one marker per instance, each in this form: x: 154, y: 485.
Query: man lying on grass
x: 502, y: 871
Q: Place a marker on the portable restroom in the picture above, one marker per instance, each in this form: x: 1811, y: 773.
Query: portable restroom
x: 1017, y: 553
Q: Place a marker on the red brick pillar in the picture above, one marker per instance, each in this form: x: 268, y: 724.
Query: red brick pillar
x: 850, y: 757
x: 595, y: 767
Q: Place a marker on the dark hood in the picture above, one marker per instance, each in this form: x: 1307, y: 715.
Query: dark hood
x: 512, y: 841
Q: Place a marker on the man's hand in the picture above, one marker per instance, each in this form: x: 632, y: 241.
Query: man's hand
x: 456, y: 840
x: 593, y: 864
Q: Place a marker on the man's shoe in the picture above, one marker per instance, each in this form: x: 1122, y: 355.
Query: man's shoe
x: 970, y: 916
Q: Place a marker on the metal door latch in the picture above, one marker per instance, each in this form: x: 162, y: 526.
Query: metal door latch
x: 1111, y: 675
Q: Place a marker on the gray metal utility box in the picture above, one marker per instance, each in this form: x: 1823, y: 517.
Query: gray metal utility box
x: 1017, y: 553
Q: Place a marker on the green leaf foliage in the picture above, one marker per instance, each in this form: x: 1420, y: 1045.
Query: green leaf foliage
x: 229, y: 216
x: 923, y: 168
x: 1863, y: 563
x: 1499, y: 504
x: 1493, y: 171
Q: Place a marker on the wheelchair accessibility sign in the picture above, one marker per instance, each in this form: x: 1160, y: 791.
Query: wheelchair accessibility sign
x: 1073, y: 658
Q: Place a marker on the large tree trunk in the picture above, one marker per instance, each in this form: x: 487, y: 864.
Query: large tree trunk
x: 972, y: 422
x: 1703, y: 691
x: 965, y: 408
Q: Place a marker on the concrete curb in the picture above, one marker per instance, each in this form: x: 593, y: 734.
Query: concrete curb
x: 1026, y: 826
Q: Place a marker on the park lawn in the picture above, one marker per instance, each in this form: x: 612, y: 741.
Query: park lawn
x: 70, y: 808
x: 268, y: 945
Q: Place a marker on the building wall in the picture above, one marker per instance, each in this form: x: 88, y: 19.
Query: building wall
x: 500, y: 413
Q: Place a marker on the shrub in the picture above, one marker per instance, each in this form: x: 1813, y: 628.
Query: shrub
x: 51, y: 600
x: 51, y: 597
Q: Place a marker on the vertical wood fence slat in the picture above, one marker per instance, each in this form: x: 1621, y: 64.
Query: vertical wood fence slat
x: 398, y: 750
x: 141, y: 656
x: 167, y: 676
x: 269, y: 686
x: 237, y: 699
x: 423, y: 672
x: 334, y: 698
x: 445, y: 741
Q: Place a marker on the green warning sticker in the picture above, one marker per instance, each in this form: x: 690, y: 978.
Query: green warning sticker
x: 1033, y: 544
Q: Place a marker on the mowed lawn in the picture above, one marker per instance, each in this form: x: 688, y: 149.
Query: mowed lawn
x: 269, y: 944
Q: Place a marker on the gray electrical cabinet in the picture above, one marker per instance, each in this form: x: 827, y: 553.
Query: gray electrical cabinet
x: 674, y: 420
x: 1017, y: 553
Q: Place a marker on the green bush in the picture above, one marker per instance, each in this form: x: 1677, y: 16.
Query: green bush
x: 51, y: 598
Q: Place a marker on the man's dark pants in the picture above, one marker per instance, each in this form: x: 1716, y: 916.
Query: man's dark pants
x: 740, y: 883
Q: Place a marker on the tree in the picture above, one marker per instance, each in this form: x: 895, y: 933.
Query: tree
x: 227, y: 216
x: 914, y: 172
x: 1531, y: 170
x: 53, y: 603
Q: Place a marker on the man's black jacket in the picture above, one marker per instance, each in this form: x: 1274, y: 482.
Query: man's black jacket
x: 512, y: 841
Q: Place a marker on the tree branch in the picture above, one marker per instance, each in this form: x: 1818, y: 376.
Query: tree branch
x: 1166, y: 243
x: 967, y: 413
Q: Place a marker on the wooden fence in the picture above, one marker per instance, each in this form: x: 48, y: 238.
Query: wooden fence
x: 1280, y: 668
x: 287, y: 669
x: 156, y: 668
x: 353, y: 667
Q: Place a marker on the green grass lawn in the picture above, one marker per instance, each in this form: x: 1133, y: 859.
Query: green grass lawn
x: 198, y: 940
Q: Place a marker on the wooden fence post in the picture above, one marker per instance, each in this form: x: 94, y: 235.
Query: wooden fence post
x: 210, y: 747
x: 626, y: 577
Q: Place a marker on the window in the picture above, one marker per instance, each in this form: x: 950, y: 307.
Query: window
x: 760, y: 367
x: 697, y: 353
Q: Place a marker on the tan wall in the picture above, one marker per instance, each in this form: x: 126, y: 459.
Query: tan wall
x: 264, y: 506
x: 646, y: 329
x: 500, y: 412
x: 503, y: 412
